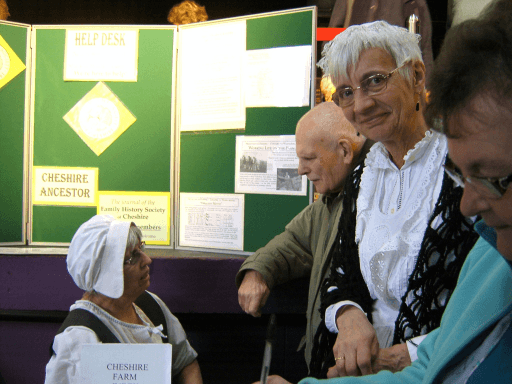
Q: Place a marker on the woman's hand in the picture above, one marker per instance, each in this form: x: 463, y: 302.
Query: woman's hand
x: 392, y: 359
x: 356, y: 345
x: 332, y: 372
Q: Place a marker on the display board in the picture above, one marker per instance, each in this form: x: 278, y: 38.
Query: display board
x: 102, y: 138
x: 14, y: 91
x: 207, y: 158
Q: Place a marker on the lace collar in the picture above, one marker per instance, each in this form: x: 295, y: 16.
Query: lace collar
x: 378, y: 157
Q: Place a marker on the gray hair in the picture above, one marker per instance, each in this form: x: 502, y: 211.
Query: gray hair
x: 134, y: 236
x: 346, y: 48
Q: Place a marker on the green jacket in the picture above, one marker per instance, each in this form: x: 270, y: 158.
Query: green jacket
x: 301, y: 250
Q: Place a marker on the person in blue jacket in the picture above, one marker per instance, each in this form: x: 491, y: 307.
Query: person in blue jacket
x: 471, y: 103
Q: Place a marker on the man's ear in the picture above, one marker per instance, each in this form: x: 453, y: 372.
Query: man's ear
x: 419, y: 79
x: 346, y: 150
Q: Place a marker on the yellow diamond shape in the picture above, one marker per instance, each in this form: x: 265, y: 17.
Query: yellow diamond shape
x: 99, y: 118
x: 10, y: 64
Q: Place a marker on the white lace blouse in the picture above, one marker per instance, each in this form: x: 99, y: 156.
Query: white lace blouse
x: 393, y: 209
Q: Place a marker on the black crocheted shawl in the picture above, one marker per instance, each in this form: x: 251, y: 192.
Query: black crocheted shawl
x: 431, y: 284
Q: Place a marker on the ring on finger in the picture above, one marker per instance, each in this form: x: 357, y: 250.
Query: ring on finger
x: 339, y: 358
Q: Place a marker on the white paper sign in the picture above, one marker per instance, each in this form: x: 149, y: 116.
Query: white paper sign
x: 268, y: 165
x: 211, y: 77
x: 212, y: 220
x: 126, y: 364
x: 65, y: 186
x: 278, y: 77
x: 101, y: 55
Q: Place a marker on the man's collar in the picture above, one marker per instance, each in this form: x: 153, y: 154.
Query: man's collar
x: 329, y: 198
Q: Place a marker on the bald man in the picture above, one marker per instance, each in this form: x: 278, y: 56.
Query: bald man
x: 328, y: 148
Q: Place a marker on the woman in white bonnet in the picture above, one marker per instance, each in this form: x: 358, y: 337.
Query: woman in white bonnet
x: 106, y: 259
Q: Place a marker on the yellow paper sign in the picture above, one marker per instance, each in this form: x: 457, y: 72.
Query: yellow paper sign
x: 99, y: 118
x: 150, y: 211
x: 10, y: 64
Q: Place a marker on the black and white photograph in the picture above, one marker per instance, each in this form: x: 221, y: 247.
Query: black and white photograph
x: 288, y: 180
x: 250, y: 163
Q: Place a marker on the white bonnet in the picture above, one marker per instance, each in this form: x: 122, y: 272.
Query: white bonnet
x: 96, y: 254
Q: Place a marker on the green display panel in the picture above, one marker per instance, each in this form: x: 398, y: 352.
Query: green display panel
x: 139, y: 160
x: 12, y: 142
x: 207, y: 158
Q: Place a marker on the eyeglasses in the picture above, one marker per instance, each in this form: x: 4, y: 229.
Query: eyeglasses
x: 372, y: 85
x: 136, y: 254
x: 490, y: 187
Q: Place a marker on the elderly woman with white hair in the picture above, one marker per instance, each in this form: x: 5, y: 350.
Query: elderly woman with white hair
x: 106, y: 259
x: 472, y: 104
x: 402, y: 239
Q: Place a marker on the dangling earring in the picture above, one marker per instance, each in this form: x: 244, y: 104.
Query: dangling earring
x: 417, y: 103
x: 358, y: 134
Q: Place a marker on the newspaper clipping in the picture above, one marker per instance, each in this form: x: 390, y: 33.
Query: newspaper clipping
x: 268, y: 165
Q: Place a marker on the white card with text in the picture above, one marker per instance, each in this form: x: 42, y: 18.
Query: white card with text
x: 126, y: 364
